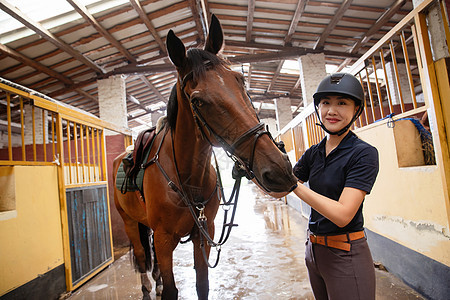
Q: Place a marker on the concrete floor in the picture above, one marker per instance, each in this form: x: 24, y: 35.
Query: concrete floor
x: 263, y: 259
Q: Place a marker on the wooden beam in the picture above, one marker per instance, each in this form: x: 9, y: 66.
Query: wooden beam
x: 291, y: 52
x: 249, y: 75
x: 339, y: 14
x: 206, y: 13
x: 275, y: 75
x: 198, y: 20
x: 143, y: 15
x: 46, y: 34
x: 81, y: 9
x: 294, y: 23
x: 296, y: 85
x: 250, y: 14
x: 153, y: 88
x: 382, y: 20
x: 86, y: 95
x: 34, y: 64
x: 133, y: 99
x: 345, y: 63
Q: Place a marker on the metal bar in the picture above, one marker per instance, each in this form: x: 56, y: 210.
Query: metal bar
x: 369, y: 91
x: 80, y: 185
x: 377, y: 83
x: 103, y: 147
x: 94, y: 174
x: 69, y: 152
x: 75, y: 138
x: 83, y: 178
x: 98, y: 156
x: 358, y: 65
x: 25, y: 163
x: 388, y: 90
x: 88, y: 150
x: 8, y: 117
x: 63, y: 204
x: 53, y: 135
x: 22, y: 129
x: 314, y: 128
x: 44, y: 119
x: 397, y: 77
x: 408, y: 69
x: 366, y: 114
x: 34, y: 133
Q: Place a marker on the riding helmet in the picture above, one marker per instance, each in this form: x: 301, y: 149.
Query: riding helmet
x: 340, y: 84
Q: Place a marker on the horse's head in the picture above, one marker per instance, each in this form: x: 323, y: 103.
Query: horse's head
x: 224, y: 112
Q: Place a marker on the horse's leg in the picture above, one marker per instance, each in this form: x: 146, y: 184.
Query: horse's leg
x: 156, y: 273
x: 200, y: 265
x: 132, y: 231
x: 165, y: 244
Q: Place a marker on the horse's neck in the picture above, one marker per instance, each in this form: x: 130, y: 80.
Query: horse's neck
x: 192, y: 153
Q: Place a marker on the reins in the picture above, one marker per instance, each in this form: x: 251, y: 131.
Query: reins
x: 200, y: 219
x: 257, y: 131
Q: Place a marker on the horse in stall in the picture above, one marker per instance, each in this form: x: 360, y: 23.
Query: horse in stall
x: 209, y: 107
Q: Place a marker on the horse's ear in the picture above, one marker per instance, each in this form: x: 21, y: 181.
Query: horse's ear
x: 176, y: 49
x: 215, y: 37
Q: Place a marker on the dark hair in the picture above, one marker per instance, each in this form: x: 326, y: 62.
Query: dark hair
x: 195, y: 63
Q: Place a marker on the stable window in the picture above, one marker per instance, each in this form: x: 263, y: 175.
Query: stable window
x: 414, y: 143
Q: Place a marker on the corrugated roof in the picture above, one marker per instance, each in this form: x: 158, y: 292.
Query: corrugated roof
x: 62, y: 55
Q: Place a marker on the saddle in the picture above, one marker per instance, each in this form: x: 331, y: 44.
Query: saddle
x: 130, y: 174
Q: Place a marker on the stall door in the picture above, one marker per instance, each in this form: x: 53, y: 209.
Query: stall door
x: 89, y: 231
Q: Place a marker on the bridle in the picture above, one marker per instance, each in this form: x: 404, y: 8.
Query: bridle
x: 255, y: 132
x: 246, y: 166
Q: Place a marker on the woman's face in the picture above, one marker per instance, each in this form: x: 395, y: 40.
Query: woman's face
x: 336, y: 112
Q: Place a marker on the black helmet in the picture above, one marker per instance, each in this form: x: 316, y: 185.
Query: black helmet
x: 340, y: 84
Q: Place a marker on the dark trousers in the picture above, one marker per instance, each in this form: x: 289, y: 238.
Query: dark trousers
x: 337, y: 274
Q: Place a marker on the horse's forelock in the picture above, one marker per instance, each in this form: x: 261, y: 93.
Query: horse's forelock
x: 196, y: 64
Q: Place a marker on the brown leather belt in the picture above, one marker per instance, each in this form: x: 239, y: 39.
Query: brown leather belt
x: 341, y: 241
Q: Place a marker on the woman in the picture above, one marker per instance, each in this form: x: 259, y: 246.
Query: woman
x: 340, y: 170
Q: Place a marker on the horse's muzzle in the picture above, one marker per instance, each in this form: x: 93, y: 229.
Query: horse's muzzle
x: 276, y: 175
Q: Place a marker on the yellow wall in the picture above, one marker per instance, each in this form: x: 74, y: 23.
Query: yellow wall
x: 31, y: 240
x: 407, y: 205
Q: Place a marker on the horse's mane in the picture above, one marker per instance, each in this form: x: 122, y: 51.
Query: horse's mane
x: 195, y: 63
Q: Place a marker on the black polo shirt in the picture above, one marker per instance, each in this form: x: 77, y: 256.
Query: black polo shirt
x: 353, y: 163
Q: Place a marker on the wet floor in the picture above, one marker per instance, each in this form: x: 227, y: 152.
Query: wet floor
x: 263, y: 259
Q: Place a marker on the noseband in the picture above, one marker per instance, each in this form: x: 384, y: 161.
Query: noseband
x: 255, y: 132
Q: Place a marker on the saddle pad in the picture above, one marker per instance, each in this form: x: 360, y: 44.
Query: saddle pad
x: 130, y: 185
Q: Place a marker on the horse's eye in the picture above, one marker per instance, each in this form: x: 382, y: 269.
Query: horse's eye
x: 197, y: 102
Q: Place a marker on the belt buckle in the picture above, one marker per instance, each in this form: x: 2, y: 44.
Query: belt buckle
x: 313, y: 237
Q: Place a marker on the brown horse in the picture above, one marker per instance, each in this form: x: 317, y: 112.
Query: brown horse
x: 208, y: 107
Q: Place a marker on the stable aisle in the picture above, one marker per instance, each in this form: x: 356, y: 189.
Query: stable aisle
x: 263, y: 259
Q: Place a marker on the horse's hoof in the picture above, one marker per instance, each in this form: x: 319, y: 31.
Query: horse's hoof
x: 159, y: 289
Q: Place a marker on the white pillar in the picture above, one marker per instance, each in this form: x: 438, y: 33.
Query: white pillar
x: 39, y: 125
x: 404, y: 83
x: 272, y: 123
x: 283, y: 112
x: 312, y: 71
x: 112, y: 101
x: 436, y: 30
